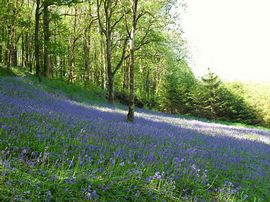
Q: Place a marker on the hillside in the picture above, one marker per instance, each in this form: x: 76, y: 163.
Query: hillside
x: 57, y: 149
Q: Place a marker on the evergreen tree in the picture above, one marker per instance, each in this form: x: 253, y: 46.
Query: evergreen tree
x: 176, y: 90
x: 208, y: 100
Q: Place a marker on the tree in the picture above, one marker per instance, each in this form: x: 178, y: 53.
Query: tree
x: 176, y: 90
x: 211, y: 102
x: 132, y: 34
x: 37, y: 44
x: 72, y: 46
x: 111, y: 20
x: 46, y: 33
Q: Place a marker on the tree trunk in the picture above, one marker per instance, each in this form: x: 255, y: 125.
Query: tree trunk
x: 111, y: 89
x: 13, y: 41
x: 97, y: 70
x: 8, y: 49
x: 103, y: 62
x: 26, y: 61
x: 72, y: 76
x: 130, y: 116
x: 86, y: 48
x: 61, y: 67
x: 37, y: 44
x: 14, y: 59
x: 1, y: 43
x: 1, y: 53
x: 110, y: 78
x: 125, y: 76
x: 147, y: 84
x: 46, y: 30
x: 23, y: 47
x: 109, y: 65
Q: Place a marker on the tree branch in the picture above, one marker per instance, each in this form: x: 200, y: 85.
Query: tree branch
x: 124, y: 50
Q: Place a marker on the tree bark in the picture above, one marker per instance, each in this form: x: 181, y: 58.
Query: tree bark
x: 71, y: 75
x: 134, y: 6
x: 23, y: 48
x: 125, y: 76
x: 103, y: 62
x: 14, y: 59
x: 8, y: 46
x: 37, y: 44
x: 46, y: 30
x: 108, y: 34
x: 13, y: 42
x: 26, y: 62
x: 1, y: 45
x: 2, y: 35
x: 86, y: 48
x: 109, y: 68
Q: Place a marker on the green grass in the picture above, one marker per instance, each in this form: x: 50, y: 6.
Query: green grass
x: 6, y: 72
x: 76, y: 92
x: 13, y: 71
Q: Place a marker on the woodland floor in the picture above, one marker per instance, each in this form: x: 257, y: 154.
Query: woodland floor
x: 56, y: 149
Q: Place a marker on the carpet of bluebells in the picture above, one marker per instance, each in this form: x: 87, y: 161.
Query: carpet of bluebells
x: 56, y: 149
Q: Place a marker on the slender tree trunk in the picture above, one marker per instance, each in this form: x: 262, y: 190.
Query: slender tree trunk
x: 97, y: 72
x: 109, y: 62
x: 103, y: 62
x: 1, y: 43
x: 147, y: 84
x: 37, y: 44
x: 61, y: 67
x: 26, y: 62
x: 1, y: 47
x: 46, y: 30
x: 125, y: 75
x: 14, y: 59
x: 8, y: 50
x: 52, y: 62
x: 109, y: 66
x: 23, y: 47
x: 111, y: 89
x: 31, y: 54
x: 107, y: 31
x: 13, y: 43
x: 130, y: 116
x: 72, y: 76
x: 86, y: 48
x: 64, y: 66
x: 1, y: 53
x: 15, y: 39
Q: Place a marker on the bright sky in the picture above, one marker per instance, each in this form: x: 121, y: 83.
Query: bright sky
x: 232, y: 37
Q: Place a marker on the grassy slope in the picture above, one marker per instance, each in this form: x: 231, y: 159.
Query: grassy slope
x: 59, y: 87
x: 28, y: 180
